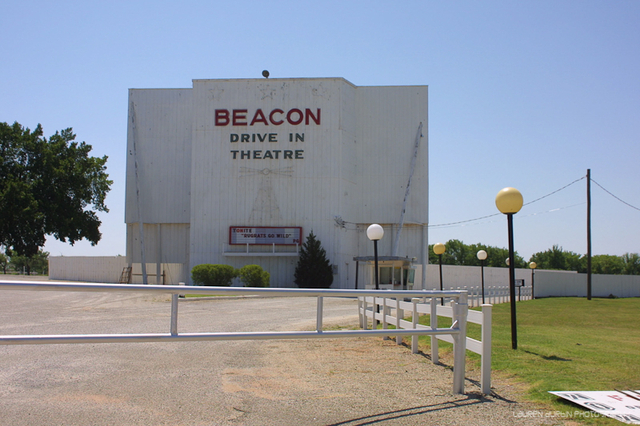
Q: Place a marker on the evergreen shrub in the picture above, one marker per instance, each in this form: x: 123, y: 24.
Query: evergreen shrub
x: 313, y: 269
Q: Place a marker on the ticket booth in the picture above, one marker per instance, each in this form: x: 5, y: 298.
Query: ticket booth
x: 395, y: 273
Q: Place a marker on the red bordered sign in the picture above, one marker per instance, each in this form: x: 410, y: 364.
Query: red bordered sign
x: 284, y: 236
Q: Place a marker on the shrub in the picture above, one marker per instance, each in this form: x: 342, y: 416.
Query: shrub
x: 254, y: 276
x: 213, y: 275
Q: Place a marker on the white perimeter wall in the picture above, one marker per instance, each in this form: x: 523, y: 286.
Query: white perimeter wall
x: 555, y: 283
x: 108, y: 269
x: 102, y: 269
x: 547, y: 283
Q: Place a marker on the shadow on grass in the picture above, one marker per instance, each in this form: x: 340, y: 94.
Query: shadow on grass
x: 550, y: 357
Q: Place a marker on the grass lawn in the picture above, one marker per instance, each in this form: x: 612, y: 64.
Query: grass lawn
x: 565, y: 344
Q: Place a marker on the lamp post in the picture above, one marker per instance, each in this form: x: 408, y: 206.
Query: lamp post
x: 439, y: 249
x: 509, y: 201
x: 375, y: 233
x: 482, y: 256
x: 533, y: 266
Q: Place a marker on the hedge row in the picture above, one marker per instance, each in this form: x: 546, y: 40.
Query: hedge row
x: 222, y: 275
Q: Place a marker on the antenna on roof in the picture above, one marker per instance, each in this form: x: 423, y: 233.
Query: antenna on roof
x: 265, y: 74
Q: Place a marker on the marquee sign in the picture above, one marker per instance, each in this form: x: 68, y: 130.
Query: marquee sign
x: 265, y: 235
x: 253, y: 134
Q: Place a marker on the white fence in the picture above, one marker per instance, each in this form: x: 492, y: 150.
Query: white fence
x: 390, y: 311
x: 456, y: 331
x: 494, y: 294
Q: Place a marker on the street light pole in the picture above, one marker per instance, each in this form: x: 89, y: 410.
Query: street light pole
x: 375, y: 256
x: 482, y: 256
x: 439, y: 249
x: 509, y: 201
x: 533, y: 266
x: 375, y: 233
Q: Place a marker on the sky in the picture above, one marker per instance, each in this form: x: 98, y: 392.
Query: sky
x: 526, y: 94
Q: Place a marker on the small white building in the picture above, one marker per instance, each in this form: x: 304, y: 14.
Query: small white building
x: 239, y: 172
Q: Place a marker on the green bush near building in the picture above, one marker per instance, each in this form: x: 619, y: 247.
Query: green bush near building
x: 254, y: 276
x: 213, y: 275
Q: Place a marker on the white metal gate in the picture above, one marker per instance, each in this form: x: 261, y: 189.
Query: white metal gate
x: 456, y: 331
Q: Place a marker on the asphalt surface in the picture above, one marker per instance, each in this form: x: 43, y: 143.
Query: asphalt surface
x: 353, y: 381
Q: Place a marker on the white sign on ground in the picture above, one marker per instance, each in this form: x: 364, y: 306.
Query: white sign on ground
x: 620, y: 405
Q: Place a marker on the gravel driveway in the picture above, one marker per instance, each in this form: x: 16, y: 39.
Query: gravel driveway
x: 357, y: 381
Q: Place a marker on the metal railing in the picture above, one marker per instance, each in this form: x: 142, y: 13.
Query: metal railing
x: 457, y: 329
x: 260, y: 250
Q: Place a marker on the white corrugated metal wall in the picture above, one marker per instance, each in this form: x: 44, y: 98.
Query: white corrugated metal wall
x: 160, y: 125
x: 354, y: 164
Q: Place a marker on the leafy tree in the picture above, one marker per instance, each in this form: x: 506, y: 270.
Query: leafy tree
x: 631, y: 263
x: 458, y: 253
x: 48, y: 187
x: 558, y: 259
x: 4, y: 262
x: 38, y: 263
x: 254, y: 276
x: 497, y: 257
x: 607, y: 264
x: 313, y: 269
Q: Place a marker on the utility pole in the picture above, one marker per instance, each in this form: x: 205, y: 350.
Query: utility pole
x: 588, y: 234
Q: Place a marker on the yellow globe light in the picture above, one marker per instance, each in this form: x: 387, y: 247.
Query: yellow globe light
x: 533, y: 265
x: 509, y: 201
x: 438, y: 248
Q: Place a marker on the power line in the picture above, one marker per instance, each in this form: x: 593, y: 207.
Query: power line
x: 556, y: 209
x: 617, y: 198
x: 453, y: 224
x: 463, y: 221
x: 557, y: 190
x: 496, y: 214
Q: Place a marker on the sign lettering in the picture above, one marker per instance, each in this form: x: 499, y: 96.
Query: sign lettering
x: 265, y: 235
x: 276, y: 117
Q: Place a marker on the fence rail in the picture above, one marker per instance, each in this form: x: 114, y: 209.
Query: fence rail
x: 459, y: 299
x: 394, y: 311
x: 494, y: 295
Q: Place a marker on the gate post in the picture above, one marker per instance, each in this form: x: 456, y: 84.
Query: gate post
x: 433, y: 322
x: 485, y: 378
x: 460, y: 310
x: 414, y: 323
x: 174, y: 315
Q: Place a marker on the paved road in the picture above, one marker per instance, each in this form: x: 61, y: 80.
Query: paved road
x: 302, y: 382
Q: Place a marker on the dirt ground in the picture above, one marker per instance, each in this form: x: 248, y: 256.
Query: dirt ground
x: 354, y: 381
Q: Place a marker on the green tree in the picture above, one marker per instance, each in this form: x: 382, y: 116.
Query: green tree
x: 38, y: 263
x: 459, y: 253
x: 558, y: 259
x: 4, y: 262
x: 607, y: 264
x: 48, y: 187
x: 631, y: 263
x: 313, y: 269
